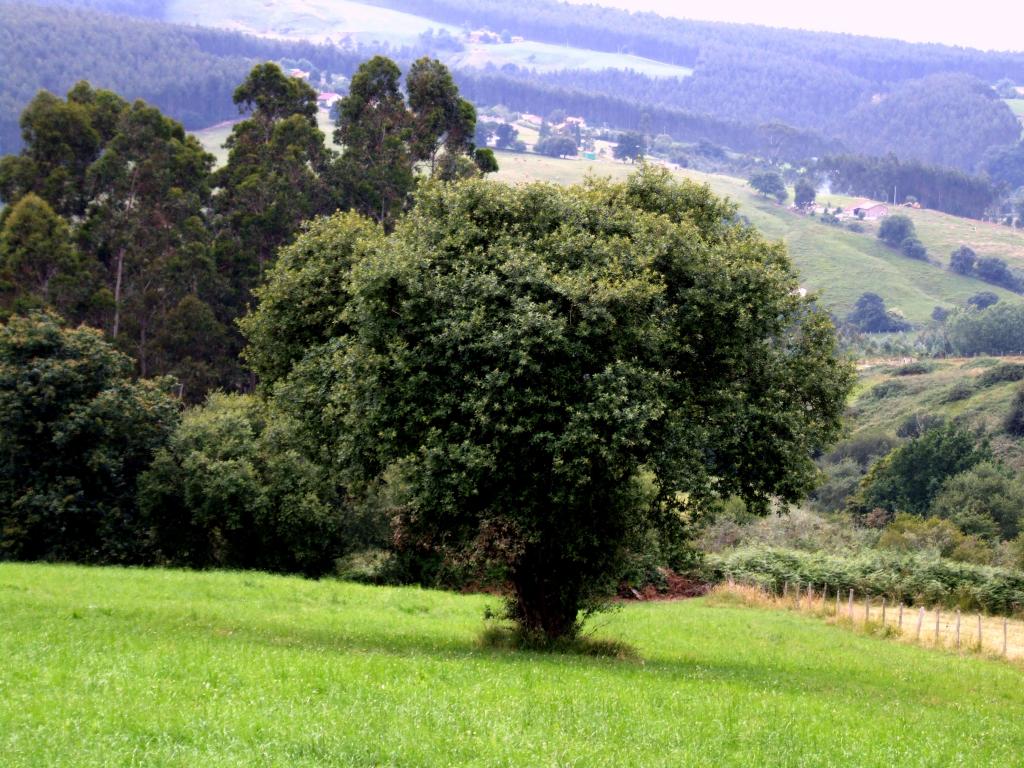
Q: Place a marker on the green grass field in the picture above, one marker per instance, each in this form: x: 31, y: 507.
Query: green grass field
x: 840, y: 264
x: 106, y: 667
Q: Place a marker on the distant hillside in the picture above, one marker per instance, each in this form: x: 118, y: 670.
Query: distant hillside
x: 833, y: 260
x: 188, y: 72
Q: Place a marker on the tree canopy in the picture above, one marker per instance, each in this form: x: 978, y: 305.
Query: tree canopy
x: 535, y: 377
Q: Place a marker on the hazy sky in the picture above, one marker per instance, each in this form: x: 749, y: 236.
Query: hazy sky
x: 986, y: 24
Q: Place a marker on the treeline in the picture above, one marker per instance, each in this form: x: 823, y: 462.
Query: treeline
x: 681, y: 41
x: 115, y: 218
x: 942, y: 189
x: 528, y: 93
x: 187, y: 72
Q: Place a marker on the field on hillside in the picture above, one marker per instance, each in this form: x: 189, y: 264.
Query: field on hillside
x: 545, y: 57
x: 166, y: 668
x: 213, y: 138
x: 883, y: 400
x: 306, y: 19
x: 840, y: 264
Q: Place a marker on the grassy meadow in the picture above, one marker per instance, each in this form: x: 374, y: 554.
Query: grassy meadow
x: 840, y: 264
x: 168, y: 668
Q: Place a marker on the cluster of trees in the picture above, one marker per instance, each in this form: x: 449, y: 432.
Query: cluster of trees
x: 114, y: 216
x: 941, y: 189
x: 770, y: 184
x: 996, y: 330
x: 869, y: 315
x: 433, y: 389
x: 991, y: 269
x: 900, y: 232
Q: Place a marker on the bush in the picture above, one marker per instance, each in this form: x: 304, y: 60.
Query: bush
x: 913, y: 578
x: 986, y: 500
x: 908, y: 478
x: 914, y: 248
x: 888, y: 388
x: 864, y: 448
x: 839, y: 484
x: 935, y: 536
x: 917, y: 424
x: 1001, y: 373
x: 1014, y: 422
x: 855, y: 226
x: 75, y: 432
x: 939, y: 314
x: 962, y: 260
x: 961, y: 390
x: 914, y: 369
x: 982, y: 300
x: 234, y: 490
x: 895, y: 229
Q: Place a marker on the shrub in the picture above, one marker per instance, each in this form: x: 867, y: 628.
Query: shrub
x: 982, y: 300
x: 914, y: 369
x: 909, y: 477
x: 910, y: 578
x: 895, y: 229
x: 936, y: 536
x: 998, y: 330
x: 961, y: 390
x: 914, y: 248
x: 234, y: 490
x: 75, y: 432
x: 987, y: 500
x: 840, y: 481
x: 939, y: 314
x: 864, y: 448
x: 888, y: 388
x: 917, y: 424
x: 869, y: 315
x: 1000, y: 374
x: 1014, y: 421
x: 962, y: 260
x: 855, y: 226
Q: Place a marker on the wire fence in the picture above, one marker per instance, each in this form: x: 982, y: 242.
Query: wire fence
x: 936, y: 627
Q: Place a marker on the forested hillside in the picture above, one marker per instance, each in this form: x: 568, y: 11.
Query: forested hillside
x: 188, y: 72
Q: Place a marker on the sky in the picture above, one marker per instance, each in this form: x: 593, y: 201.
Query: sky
x: 985, y: 24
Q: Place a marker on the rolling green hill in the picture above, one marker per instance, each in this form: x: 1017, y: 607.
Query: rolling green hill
x: 165, y: 668
x: 840, y: 264
x: 954, y: 389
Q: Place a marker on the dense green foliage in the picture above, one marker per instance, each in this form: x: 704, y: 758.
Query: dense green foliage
x: 496, y: 313
x: 941, y: 189
x: 908, y: 578
x: 76, y: 431
x: 233, y: 488
x: 909, y: 478
x: 998, y: 330
x: 870, y: 316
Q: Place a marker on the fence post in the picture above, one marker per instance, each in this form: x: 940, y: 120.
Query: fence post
x: 837, y: 602
x: 920, y: 622
x: 958, y: 629
x: 937, y: 612
x: 798, y: 595
x: 850, y: 606
x: 899, y: 624
x: 883, y: 611
x: 1004, y: 635
x: 867, y: 609
x: 785, y: 589
x: 979, y: 631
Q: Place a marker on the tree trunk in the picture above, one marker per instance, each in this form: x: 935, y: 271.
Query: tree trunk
x: 117, y: 292
x: 547, y: 597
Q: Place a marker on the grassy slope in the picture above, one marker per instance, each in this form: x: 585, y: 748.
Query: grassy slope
x: 986, y: 407
x: 160, y: 668
x: 840, y: 264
